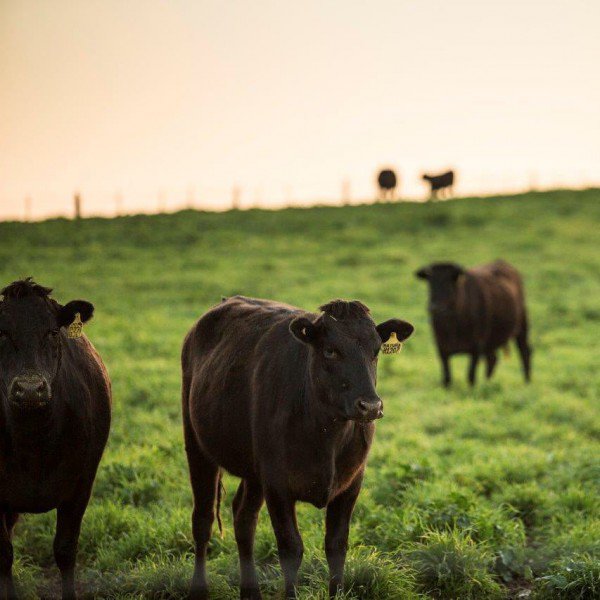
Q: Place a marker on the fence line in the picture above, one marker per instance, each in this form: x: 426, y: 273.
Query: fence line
x: 81, y: 206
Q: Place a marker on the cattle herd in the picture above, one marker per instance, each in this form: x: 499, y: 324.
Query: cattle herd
x: 441, y: 185
x: 282, y: 398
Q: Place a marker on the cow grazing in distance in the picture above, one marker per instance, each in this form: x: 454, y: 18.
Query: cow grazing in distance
x: 441, y: 185
x: 476, y: 311
x: 54, y: 420
x: 284, y: 399
x: 387, y: 182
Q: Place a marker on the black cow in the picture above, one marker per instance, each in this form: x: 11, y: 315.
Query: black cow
x: 286, y: 400
x: 54, y: 419
x: 441, y: 185
x: 476, y: 311
x: 387, y: 182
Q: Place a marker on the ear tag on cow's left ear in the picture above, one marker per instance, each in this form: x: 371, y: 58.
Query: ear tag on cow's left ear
x: 75, y: 328
x: 392, y: 346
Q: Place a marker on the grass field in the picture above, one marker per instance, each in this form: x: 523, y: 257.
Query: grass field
x: 485, y: 493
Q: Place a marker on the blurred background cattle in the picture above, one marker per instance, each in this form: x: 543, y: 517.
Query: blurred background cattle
x: 387, y: 181
x: 440, y: 185
x: 476, y: 311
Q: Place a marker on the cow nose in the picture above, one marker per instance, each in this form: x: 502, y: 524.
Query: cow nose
x: 30, y: 392
x: 369, y: 409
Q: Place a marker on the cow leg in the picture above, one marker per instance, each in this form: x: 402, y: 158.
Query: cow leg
x: 337, y: 525
x: 289, y: 543
x: 246, y: 506
x: 446, y: 375
x: 68, y: 525
x: 524, y: 351
x: 204, y: 476
x: 473, y: 367
x: 7, y: 586
x: 492, y: 359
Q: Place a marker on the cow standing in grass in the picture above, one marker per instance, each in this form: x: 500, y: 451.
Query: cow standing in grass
x: 476, y: 311
x: 285, y: 400
x: 441, y: 185
x: 387, y: 181
x: 54, y: 420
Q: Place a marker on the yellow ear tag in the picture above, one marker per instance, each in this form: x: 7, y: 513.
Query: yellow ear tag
x: 74, y: 330
x: 392, y: 346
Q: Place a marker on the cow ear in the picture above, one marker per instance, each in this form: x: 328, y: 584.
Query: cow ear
x: 423, y: 273
x: 402, y: 329
x: 66, y: 313
x: 305, y: 330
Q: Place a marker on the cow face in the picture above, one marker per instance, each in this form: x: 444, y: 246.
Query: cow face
x: 31, y: 338
x: 343, y: 361
x: 442, y: 279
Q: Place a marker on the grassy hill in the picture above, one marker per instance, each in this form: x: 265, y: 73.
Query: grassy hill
x: 482, y: 493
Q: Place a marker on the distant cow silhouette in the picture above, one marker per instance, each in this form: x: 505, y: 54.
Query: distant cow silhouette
x: 387, y: 181
x: 441, y: 185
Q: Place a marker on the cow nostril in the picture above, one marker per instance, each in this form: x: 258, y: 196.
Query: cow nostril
x: 29, y: 389
x: 365, y: 406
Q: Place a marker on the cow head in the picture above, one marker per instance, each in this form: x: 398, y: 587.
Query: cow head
x: 344, y: 343
x: 443, y: 279
x: 32, y: 333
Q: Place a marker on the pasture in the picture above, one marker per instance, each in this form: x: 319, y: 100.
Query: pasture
x: 485, y: 493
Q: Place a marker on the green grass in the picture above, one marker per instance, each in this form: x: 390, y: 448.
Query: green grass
x: 483, y: 493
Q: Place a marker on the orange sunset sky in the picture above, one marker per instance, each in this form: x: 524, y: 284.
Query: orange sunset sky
x: 149, y: 104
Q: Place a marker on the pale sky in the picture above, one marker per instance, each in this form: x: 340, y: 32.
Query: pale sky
x: 152, y: 103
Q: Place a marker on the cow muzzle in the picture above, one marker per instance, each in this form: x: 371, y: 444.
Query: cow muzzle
x: 29, y: 392
x: 368, y: 409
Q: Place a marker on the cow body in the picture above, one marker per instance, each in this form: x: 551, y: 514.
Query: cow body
x: 51, y: 442
x: 441, y: 185
x: 387, y: 181
x: 476, y: 312
x: 252, y: 406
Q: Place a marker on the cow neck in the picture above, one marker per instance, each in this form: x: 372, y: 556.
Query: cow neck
x: 452, y: 321
x: 447, y: 322
x: 27, y: 435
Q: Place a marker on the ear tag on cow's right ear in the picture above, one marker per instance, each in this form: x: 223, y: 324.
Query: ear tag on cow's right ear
x: 392, y: 346
x: 75, y: 328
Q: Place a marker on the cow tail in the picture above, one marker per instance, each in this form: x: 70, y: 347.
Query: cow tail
x: 220, y: 494
x: 506, y: 350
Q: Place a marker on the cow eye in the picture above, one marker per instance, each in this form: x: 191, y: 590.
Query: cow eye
x: 330, y: 353
x: 53, y: 334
